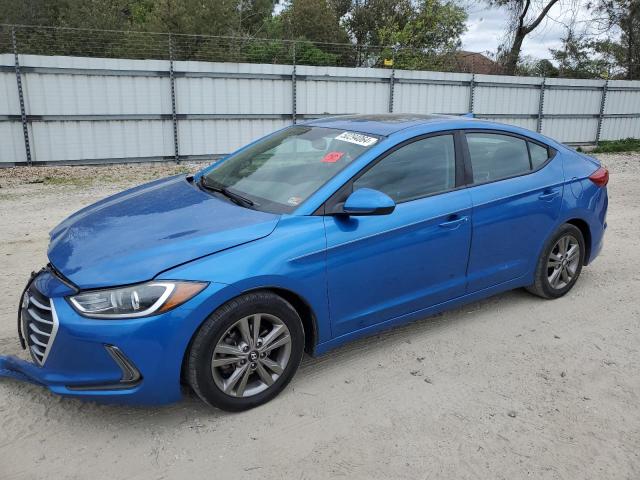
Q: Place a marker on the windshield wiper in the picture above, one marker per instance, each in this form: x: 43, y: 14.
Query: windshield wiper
x: 234, y: 197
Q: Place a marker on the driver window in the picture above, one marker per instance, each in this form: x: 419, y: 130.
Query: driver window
x: 421, y: 168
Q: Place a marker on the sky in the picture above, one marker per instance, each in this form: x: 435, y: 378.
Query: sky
x: 486, y: 28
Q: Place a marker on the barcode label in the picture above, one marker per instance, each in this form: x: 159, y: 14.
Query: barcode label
x: 357, y: 138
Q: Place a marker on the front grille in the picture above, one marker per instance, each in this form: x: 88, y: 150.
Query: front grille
x: 39, y: 323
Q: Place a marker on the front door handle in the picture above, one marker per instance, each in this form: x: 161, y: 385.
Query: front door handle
x: 454, y: 222
x: 549, y: 195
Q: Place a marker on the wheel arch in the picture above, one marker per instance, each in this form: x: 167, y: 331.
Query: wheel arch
x: 584, y: 228
x: 300, y: 305
x: 304, y: 310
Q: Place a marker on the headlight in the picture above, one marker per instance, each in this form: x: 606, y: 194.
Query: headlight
x: 135, y: 301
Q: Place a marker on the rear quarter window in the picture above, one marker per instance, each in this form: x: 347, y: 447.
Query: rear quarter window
x: 539, y: 154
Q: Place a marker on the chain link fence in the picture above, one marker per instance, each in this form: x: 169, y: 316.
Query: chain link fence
x: 39, y: 40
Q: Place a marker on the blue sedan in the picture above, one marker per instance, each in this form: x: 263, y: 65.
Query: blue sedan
x: 313, y: 236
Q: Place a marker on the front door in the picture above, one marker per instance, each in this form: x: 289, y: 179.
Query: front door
x: 383, y: 267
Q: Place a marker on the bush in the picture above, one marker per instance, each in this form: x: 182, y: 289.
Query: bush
x: 612, y: 146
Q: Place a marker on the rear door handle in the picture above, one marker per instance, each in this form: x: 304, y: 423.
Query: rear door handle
x: 454, y: 223
x: 549, y: 195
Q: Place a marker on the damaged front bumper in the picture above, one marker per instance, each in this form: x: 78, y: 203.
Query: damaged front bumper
x: 133, y: 361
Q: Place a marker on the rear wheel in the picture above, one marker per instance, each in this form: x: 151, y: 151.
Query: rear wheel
x: 560, y: 263
x: 246, y: 352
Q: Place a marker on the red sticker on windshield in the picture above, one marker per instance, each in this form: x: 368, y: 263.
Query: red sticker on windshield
x: 332, y: 157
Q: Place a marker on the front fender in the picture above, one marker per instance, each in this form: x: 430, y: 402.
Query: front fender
x: 292, y: 258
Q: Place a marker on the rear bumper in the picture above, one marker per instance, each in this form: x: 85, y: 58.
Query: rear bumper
x: 133, y: 361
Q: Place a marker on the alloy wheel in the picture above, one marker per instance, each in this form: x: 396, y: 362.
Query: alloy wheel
x: 251, y: 355
x: 563, y: 262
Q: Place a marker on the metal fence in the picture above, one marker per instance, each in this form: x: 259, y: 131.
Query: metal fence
x: 127, y: 96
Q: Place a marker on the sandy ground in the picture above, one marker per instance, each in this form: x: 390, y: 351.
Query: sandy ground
x: 511, y: 387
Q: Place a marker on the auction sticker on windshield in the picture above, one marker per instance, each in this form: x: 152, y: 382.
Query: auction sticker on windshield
x: 357, y: 138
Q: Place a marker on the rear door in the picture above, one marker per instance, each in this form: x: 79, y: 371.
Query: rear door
x: 382, y: 267
x: 516, y: 191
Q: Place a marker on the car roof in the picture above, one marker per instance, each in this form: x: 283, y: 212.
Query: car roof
x: 389, y: 123
x: 381, y: 124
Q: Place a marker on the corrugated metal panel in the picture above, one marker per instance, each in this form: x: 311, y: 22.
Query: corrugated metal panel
x: 506, y: 79
x: 11, y: 135
x: 506, y: 100
x: 618, y: 128
x: 412, y: 98
x: 203, y: 137
x: 571, y: 130
x: 233, y: 95
x: 620, y: 101
x: 104, y: 139
x: 65, y: 94
x: 47, y: 94
x: 11, y: 143
x: 563, y: 101
x: 434, y: 98
x: 318, y: 97
x: 9, y: 104
x: 498, y: 99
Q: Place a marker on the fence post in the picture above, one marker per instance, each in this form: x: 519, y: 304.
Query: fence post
x: 23, y: 113
x: 294, y: 93
x: 603, y: 102
x: 392, y: 81
x: 541, y: 106
x: 472, y: 89
x: 174, y: 118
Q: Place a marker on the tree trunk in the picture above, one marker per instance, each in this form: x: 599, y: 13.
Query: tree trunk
x: 633, y: 68
x: 522, y: 31
x: 514, y: 54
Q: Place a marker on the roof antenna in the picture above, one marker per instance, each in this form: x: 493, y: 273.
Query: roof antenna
x: 468, y: 115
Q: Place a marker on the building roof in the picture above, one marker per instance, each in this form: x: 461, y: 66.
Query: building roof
x: 474, y: 62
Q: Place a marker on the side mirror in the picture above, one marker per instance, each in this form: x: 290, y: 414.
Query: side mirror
x: 366, y: 201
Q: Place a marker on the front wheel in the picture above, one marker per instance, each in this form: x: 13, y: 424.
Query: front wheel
x: 246, y: 352
x: 560, y: 263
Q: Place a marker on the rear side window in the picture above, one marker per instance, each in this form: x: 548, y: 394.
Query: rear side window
x: 421, y: 168
x: 494, y: 156
x: 539, y: 154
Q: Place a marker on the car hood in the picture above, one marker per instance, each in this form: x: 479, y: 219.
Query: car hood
x: 134, y: 235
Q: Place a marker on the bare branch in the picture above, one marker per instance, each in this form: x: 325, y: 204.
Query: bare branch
x: 543, y: 14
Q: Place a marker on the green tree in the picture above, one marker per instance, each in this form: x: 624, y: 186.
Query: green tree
x: 580, y: 57
x: 432, y: 28
x: 313, y: 20
x: 255, y: 16
x: 368, y: 18
x: 420, y: 32
x: 623, y: 16
x: 544, y: 68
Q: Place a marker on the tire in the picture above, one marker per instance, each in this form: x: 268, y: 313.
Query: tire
x: 229, y: 367
x: 550, y: 281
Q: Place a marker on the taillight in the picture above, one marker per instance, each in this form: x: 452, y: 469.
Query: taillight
x: 600, y: 177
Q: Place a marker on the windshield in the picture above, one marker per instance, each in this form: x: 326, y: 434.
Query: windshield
x: 281, y: 171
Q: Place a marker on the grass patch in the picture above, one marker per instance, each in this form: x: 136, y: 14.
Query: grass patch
x: 613, y: 146
x: 73, y: 181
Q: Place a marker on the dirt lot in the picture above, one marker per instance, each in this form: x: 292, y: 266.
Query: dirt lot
x: 511, y: 387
